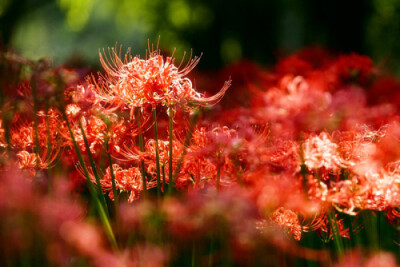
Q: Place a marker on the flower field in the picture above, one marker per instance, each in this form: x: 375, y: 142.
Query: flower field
x: 149, y: 162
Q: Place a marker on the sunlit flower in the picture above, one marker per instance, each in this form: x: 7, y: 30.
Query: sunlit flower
x: 320, y: 152
x: 126, y: 180
x: 288, y: 220
x: 156, y: 80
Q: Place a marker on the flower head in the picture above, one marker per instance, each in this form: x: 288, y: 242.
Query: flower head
x: 136, y: 82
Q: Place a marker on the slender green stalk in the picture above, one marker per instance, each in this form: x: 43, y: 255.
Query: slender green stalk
x: 94, y: 169
x: 337, y: 239
x: 193, y: 264
x: 336, y: 235
x: 6, y: 117
x: 170, y: 117
x: 35, y: 123
x: 141, y: 147
x: 7, y: 135
x: 114, y: 188
x: 106, y: 224
x: 351, y: 231
x: 100, y: 209
x: 378, y: 226
x: 210, y: 256
x: 48, y: 141
x: 164, y: 184
x: 157, y: 153
x: 185, y: 146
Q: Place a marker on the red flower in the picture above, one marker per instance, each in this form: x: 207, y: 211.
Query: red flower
x: 287, y: 219
x: 353, y: 68
x: 154, y: 81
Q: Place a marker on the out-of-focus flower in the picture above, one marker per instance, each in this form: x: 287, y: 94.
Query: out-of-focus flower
x: 358, y: 258
x: 32, y: 220
x: 288, y: 220
x: 28, y: 160
x: 293, y: 65
x: 353, y: 68
x: 128, y: 180
x: 212, y: 153
x: 319, y: 152
x: 95, y: 130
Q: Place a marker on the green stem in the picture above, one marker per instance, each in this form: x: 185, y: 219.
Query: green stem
x: 92, y: 190
x: 378, y: 226
x: 184, y: 151
x: 210, y: 256
x: 164, y: 184
x: 107, y: 225
x: 141, y: 147
x: 35, y: 123
x: 94, y: 169
x: 336, y: 235
x: 170, y: 116
x: 351, y: 231
x: 157, y: 153
x: 48, y: 141
x: 193, y: 254
x: 114, y: 187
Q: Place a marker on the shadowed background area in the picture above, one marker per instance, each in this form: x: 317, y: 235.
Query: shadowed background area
x: 225, y: 31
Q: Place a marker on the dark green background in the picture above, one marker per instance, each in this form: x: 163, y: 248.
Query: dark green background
x: 225, y: 31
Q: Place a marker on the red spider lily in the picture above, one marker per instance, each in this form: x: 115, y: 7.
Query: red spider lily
x: 23, y: 133
x: 312, y: 146
x: 393, y: 217
x: 353, y: 68
x: 287, y: 219
x: 387, y: 143
x: 304, y: 62
x: 358, y: 145
x: 384, y: 90
x: 290, y: 221
x: 31, y: 161
x: 213, y: 158
x: 317, y: 56
x: 272, y: 191
x: 121, y: 133
x: 133, y: 153
x: 140, y: 82
x: 278, y: 155
x: 377, y: 190
x: 128, y: 180
x: 95, y: 130
x: 382, y: 189
x: 325, y: 228
x: 320, y: 153
x: 293, y: 65
x: 292, y: 106
x: 85, y: 98
x: 40, y: 154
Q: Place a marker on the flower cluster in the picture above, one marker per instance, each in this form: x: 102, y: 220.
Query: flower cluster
x: 301, y: 161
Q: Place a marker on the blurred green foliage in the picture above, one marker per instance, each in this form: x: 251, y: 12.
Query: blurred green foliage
x: 225, y: 31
